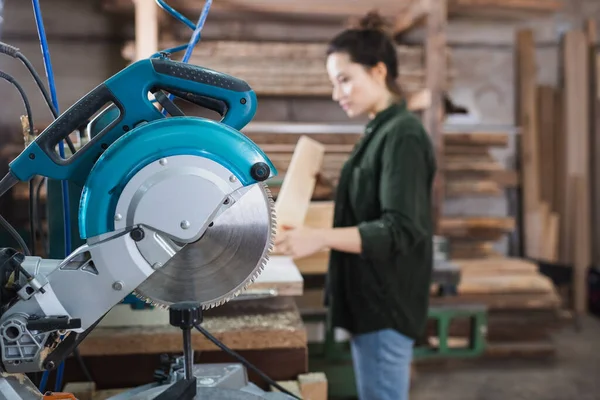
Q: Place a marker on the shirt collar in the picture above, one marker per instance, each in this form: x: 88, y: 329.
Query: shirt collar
x: 384, y: 115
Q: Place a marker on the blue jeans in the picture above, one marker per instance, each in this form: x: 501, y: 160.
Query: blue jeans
x: 382, y: 362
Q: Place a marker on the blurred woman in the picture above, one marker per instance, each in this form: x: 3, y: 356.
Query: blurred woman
x: 381, y: 240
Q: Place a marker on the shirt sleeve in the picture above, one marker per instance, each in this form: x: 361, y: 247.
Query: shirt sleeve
x: 404, y: 193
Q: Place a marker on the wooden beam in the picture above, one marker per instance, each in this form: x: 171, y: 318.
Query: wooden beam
x: 504, y: 9
x: 435, y: 82
x: 414, y: 13
x: 529, y: 158
x: 577, y: 213
x: 307, y: 8
x: 594, y: 114
x: 146, y: 28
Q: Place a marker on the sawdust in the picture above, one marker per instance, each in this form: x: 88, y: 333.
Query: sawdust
x: 277, y: 321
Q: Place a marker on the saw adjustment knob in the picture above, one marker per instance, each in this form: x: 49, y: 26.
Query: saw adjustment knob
x: 260, y: 171
x: 185, y: 314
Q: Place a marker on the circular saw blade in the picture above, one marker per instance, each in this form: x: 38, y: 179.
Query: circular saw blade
x: 230, y: 255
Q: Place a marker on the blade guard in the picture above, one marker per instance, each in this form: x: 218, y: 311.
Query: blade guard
x: 153, y: 141
x: 128, y: 91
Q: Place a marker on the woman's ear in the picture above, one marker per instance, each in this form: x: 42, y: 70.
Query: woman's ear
x: 379, y: 72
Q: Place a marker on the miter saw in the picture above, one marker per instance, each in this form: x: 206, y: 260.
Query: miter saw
x: 174, y: 208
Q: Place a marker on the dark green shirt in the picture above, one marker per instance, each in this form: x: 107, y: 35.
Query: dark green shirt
x: 385, y: 188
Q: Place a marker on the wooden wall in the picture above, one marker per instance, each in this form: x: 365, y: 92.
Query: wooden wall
x: 86, y: 45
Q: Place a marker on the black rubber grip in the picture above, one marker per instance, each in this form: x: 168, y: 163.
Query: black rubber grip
x: 200, y: 75
x: 74, y: 118
x: 202, y: 101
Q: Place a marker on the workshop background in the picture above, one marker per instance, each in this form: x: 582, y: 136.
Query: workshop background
x: 515, y: 293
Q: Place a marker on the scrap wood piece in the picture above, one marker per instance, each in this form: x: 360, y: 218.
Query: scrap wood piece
x: 313, y: 386
x: 297, y: 188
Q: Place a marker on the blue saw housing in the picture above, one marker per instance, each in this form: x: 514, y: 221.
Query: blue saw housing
x: 153, y: 141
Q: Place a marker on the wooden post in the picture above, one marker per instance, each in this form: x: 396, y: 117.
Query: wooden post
x: 146, y: 28
x: 594, y: 114
x: 435, y: 81
x: 526, y: 113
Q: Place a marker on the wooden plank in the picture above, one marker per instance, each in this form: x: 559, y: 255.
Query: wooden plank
x: 544, y: 6
x: 297, y: 188
x: 546, y: 97
x: 280, y: 277
x: 529, y: 156
x: 480, y: 228
x: 594, y: 114
x: 413, y: 14
x: 505, y: 284
x: 146, y: 28
x: 486, y: 139
x: 576, y: 66
x: 297, y: 69
x: 581, y: 256
x: 436, y: 82
x: 461, y: 249
x: 500, y: 265
x: 459, y: 188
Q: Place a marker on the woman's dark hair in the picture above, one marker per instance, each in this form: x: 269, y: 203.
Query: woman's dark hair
x: 368, y: 44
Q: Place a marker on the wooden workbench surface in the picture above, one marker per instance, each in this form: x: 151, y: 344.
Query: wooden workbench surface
x: 240, y: 325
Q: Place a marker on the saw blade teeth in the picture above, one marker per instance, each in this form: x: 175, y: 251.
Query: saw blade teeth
x: 267, y: 249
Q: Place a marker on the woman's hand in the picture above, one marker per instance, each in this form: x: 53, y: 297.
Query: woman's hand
x: 299, y: 242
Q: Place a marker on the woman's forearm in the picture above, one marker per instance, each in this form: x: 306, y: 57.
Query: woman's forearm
x: 346, y: 240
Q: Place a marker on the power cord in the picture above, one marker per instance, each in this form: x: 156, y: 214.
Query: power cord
x: 16, y: 53
x: 5, y: 223
x: 243, y: 360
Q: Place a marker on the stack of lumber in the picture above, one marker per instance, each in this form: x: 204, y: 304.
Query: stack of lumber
x: 560, y: 156
x: 470, y: 171
x: 290, y: 69
x: 524, y: 308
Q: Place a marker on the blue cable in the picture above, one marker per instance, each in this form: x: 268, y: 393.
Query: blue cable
x: 61, y: 150
x: 175, y: 14
x: 195, y: 35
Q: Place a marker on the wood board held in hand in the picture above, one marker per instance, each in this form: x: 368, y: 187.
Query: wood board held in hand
x: 297, y: 188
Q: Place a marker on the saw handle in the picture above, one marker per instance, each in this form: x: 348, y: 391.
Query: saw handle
x: 73, y: 119
x: 128, y: 92
x: 227, y: 95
